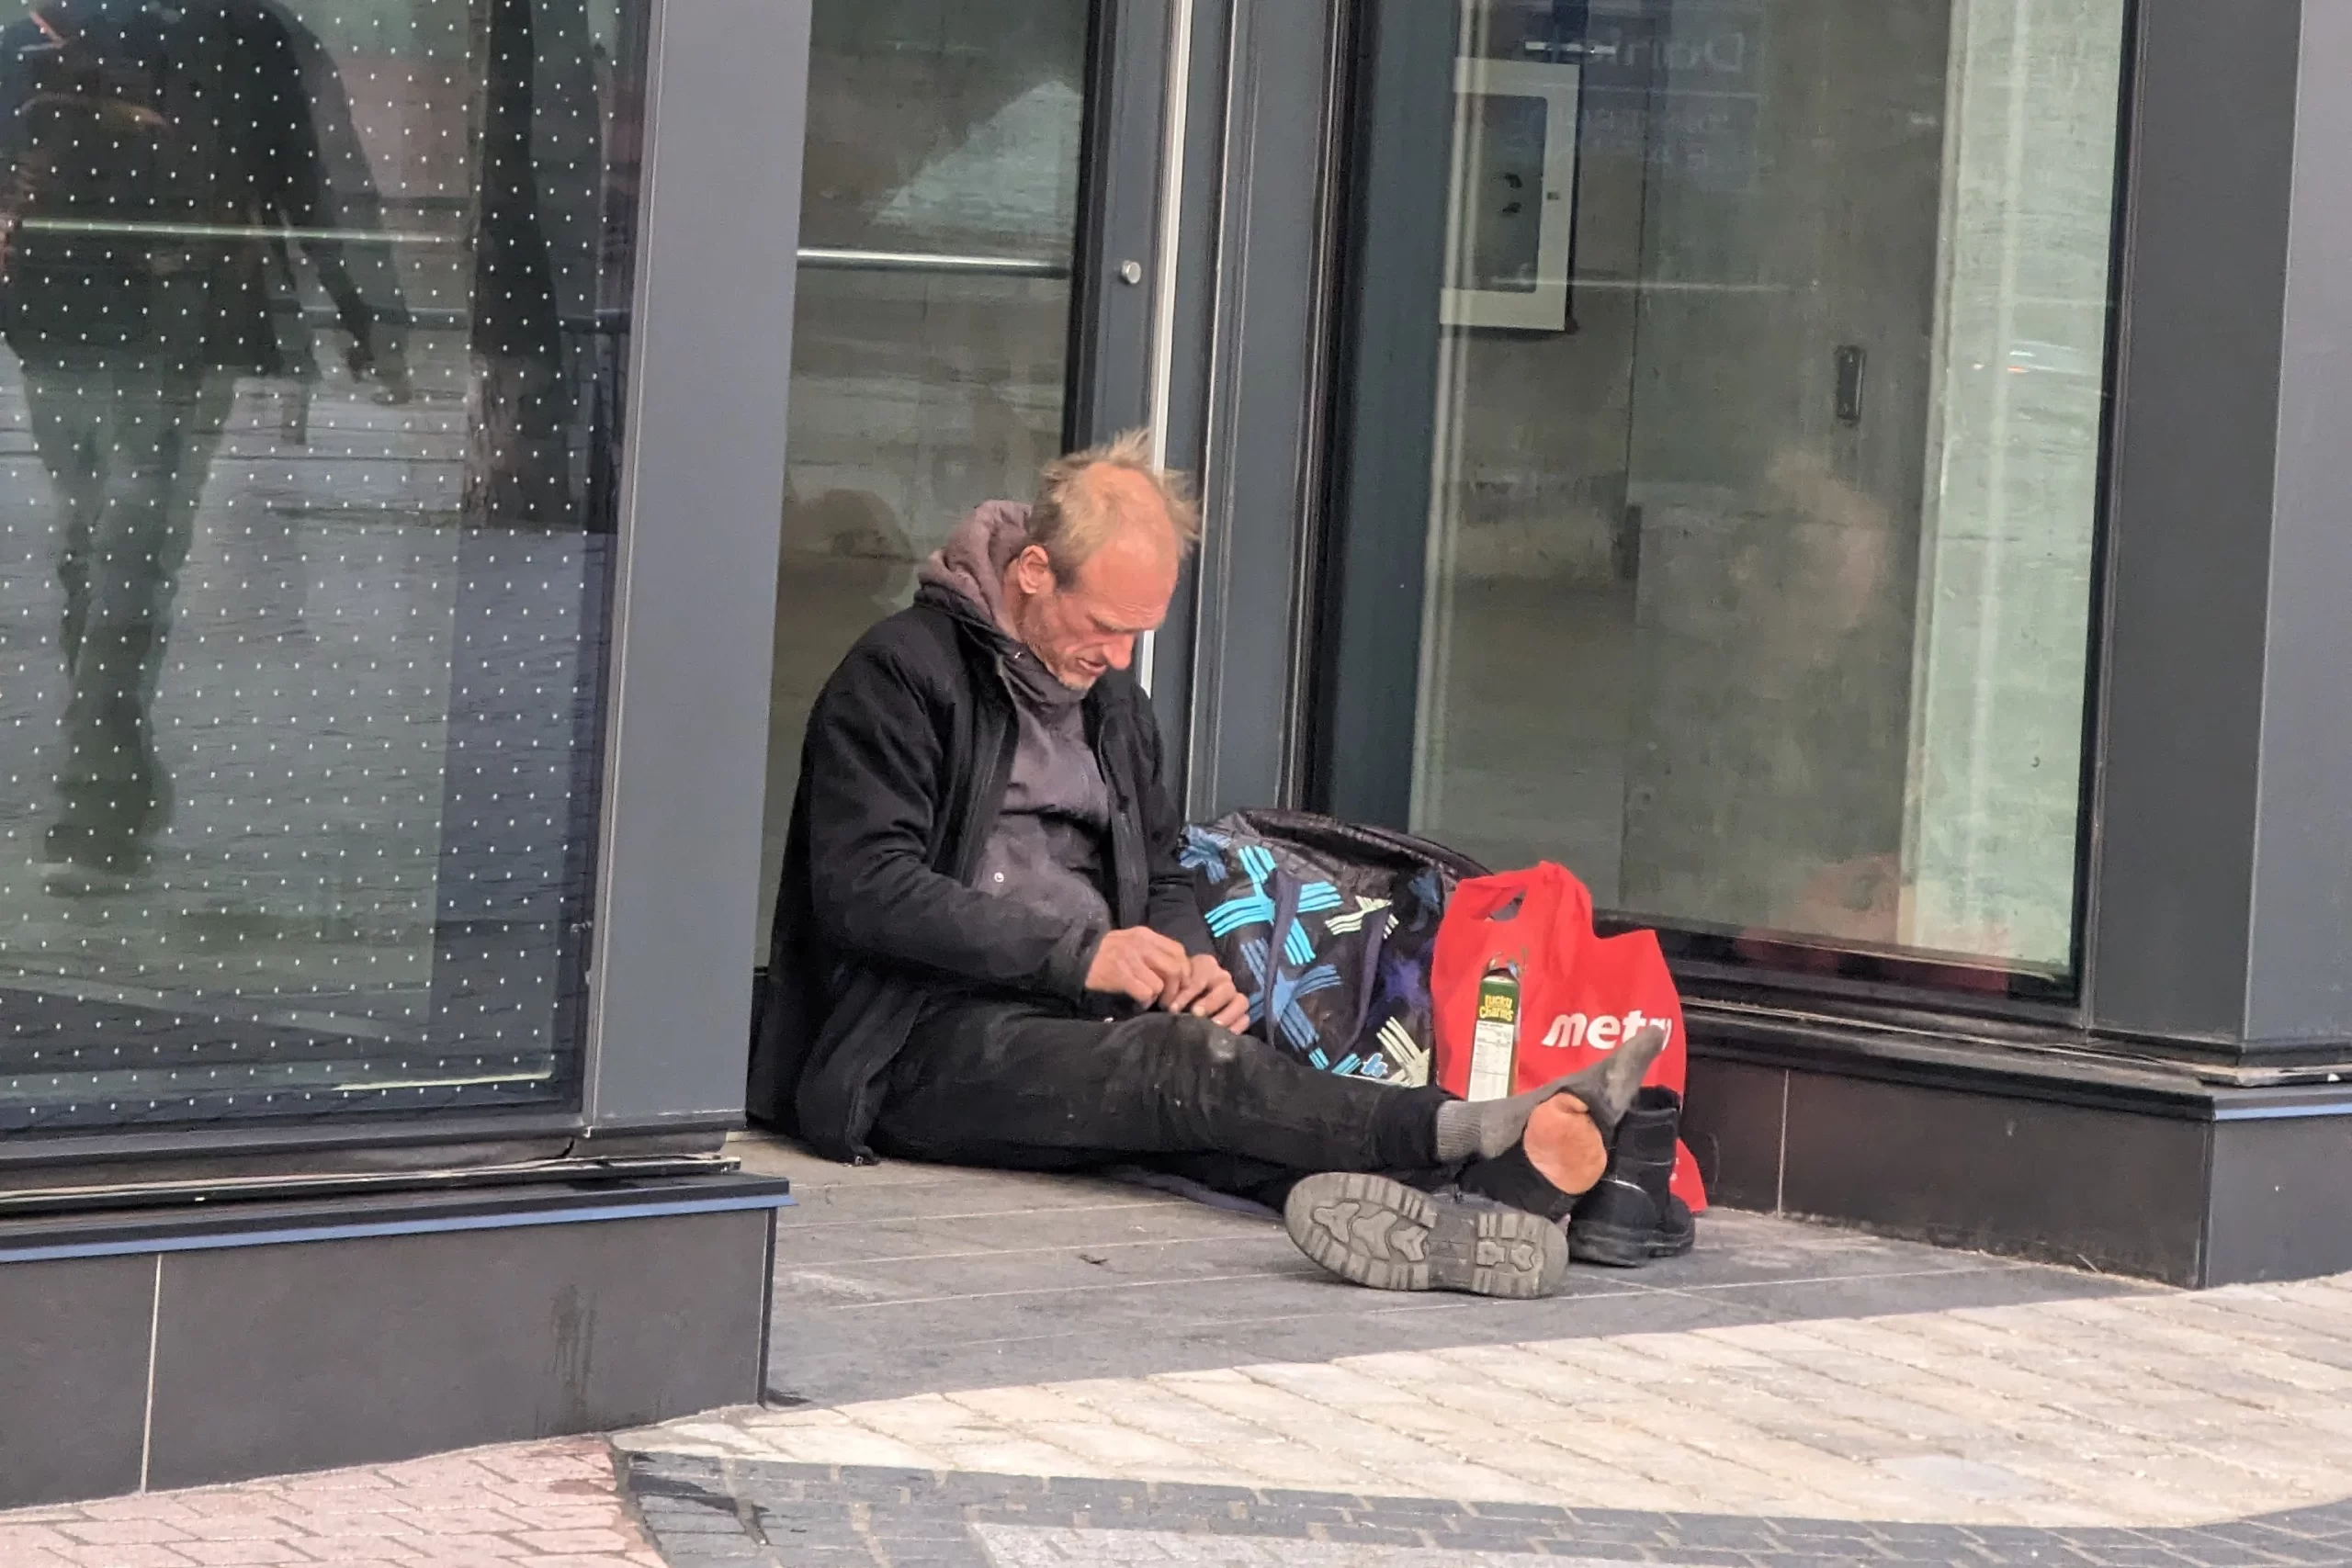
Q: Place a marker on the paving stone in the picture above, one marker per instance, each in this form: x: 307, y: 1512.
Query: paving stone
x: 733, y: 1549
x: 695, y: 1524
x: 1088, y: 1489
x: 1500, y: 1535
x: 1824, y: 1529
x: 1741, y: 1535
x: 782, y: 1529
x: 1542, y: 1512
x: 885, y: 1526
x: 1380, y: 1509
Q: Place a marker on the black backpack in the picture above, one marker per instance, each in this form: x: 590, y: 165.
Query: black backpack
x: 1326, y: 927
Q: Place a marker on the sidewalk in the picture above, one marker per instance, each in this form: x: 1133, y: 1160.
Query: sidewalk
x: 529, y: 1505
x: 994, y: 1372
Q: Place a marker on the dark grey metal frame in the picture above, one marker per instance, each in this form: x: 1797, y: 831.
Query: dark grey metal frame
x: 1118, y: 202
x: 1262, y: 385
x: 2219, y: 913
x: 695, y: 600
x: 1242, y: 406
x: 1374, y: 567
x: 1194, y: 143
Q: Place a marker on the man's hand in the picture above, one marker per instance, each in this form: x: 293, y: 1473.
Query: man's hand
x: 1136, y: 962
x: 1205, y: 988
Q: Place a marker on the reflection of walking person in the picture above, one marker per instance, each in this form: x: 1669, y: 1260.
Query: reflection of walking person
x: 154, y: 160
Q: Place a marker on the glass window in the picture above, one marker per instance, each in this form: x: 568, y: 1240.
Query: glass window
x: 315, y: 311
x: 939, y: 220
x: 1770, y: 391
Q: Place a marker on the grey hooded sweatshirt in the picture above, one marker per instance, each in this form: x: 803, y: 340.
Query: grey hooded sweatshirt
x: 1047, y: 847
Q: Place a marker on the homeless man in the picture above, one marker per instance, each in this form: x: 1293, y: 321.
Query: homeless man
x: 986, y: 953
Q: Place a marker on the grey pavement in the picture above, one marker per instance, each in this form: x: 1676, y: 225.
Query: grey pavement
x: 704, y: 1512
x: 898, y: 1279
x: 987, y: 1370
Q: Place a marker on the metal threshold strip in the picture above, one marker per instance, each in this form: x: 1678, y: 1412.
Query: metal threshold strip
x: 824, y: 257
x: 210, y: 1189
x: 291, y: 1219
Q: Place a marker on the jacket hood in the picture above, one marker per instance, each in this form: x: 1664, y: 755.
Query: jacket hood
x: 967, y: 573
x: 966, y: 577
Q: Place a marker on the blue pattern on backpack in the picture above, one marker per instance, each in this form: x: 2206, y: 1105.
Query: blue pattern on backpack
x: 1255, y: 907
x: 1204, y: 851
x: 1369, y: 940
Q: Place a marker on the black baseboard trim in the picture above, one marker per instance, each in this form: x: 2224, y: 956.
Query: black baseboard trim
x: 189, y: 1347
x: 2061, y: 1151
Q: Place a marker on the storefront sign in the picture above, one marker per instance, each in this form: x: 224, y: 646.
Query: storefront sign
x: 1678, y: 87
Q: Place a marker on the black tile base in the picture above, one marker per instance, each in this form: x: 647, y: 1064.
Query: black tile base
x: 2281, y: 1199
x: 1731, y: 1124
x: 333, y: 1333
x: 72, y: 1376
x: 2190, y: 1183
x: 2102, y: 1189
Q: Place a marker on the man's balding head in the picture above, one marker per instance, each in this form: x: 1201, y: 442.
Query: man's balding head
x: 1106, y: 538
x: 1087, y: 498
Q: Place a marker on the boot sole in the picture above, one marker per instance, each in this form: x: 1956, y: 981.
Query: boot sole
x: 1374, y: 1231
x: 1612, y: 1247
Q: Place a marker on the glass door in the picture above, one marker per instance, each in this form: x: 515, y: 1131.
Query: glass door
x: 939, y: 227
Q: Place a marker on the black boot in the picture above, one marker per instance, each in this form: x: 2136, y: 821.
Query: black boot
x: 1376, y: 1231
x: 1632, y: 1217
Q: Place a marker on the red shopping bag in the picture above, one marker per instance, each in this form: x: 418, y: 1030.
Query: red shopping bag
x: 1580, y: 994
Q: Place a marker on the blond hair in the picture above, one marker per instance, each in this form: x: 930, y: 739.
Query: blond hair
x: 1074, y: 517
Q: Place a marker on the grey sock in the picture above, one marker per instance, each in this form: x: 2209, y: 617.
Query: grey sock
x: 1487, y: 1129
x: 1608, y: 1086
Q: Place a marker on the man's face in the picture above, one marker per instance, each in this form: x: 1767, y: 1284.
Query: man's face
x: 1083, y: 631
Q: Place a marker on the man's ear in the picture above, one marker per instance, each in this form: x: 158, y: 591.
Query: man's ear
x: 1033, y: 569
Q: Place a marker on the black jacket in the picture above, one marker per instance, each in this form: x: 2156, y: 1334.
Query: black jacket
x: 902, y: 773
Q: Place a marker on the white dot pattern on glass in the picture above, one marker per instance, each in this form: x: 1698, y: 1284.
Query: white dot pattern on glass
x: 316, y: 319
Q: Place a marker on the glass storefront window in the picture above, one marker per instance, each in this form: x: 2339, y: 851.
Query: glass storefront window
x: 939, y: 221
x: 1770, y: 408
x: 315, y: 314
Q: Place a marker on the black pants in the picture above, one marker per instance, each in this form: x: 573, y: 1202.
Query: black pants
x: 1028, y: 1088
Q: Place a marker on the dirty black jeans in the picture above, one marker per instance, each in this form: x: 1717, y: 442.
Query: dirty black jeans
x: 1028, y: 1086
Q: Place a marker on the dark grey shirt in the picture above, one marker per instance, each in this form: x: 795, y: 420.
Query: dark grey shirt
x: 1046, y: 848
